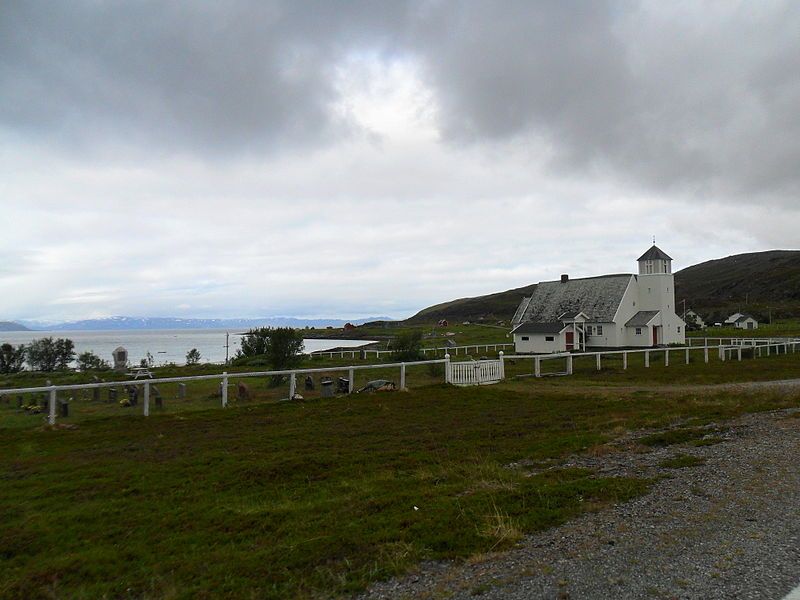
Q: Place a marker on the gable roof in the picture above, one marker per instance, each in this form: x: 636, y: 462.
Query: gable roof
x: 597, y: 297
x: 535, y: 327
x: 642, y: 318
x: 744, y: 317
x: 655, y: 253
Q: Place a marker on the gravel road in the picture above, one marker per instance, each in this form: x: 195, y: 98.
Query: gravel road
x: 729, y: 528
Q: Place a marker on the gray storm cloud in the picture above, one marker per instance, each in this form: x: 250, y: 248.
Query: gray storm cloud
x: 702, y: 96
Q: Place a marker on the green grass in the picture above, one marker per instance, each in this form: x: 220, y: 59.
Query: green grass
x: 697, y: 372
x: 673, y: 436
x: 307, y: 499
x: 778, y: 328
x: 682, y: 461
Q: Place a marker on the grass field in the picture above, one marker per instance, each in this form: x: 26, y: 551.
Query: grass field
x: 305, y: 499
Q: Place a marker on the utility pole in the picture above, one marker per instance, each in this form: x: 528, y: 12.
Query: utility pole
x: 226, y: 347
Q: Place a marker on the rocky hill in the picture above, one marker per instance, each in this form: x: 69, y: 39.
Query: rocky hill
x: 758, y: 282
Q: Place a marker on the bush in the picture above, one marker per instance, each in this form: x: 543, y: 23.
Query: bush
x: 89, y: 361
x: 48, y: 354
x: 280, y: 346
x: 192, y: 357
x: 407, y: 346
x: 12, y: 360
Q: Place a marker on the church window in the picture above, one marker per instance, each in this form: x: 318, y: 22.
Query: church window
x: 599, y: 330
x: 525, y: 338
x: 549, y: 338
x: 648, y: 267
x: 638, y: 331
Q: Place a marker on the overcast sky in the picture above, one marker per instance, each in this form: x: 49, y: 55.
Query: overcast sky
x: 348, y: 159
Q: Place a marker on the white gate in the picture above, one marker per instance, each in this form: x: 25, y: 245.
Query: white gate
x: 479, y: 372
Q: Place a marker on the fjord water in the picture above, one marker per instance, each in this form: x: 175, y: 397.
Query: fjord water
x: 168, y: 345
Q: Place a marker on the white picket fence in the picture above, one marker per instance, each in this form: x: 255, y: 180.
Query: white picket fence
x: 478, y: 372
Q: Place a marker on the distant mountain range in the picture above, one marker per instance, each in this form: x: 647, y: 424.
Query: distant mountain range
x: 12, y: 326
x: 760, y: 283
x: 122, y: 323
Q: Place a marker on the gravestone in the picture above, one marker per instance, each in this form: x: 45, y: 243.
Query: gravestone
x: 64, y: 405
x: 20, y: 401
x: 181, y: 391
x: 309, y: 383
x: 133, y: 394
x: 112, y: 394
x: 120, y: 356
x: 156, y: 394
x: 326, y: 386
x: 96, y: 391
x: 242, y: 391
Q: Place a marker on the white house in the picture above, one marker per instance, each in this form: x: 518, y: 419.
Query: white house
x: 695, y: 319
x: 610, y: 311
x: 745, y: 322
x: 733, y: 318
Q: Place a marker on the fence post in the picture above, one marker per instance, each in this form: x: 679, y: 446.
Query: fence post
x: 624, y: 361
x: 740, y: 353
x: 705, y: 353
x: 687, y: 356
x: 569, y: 364
x: 350, y: 381
x: 224, y: 391
x: 447, y: 367
x: 292, y: 385
x: 666, y: 357
x: 647, y: 358
x: 598, y: 361
x: 402, y: 376
x: 502, y: 365
x: 51, y: 417
x: 146, y: 403
x: 537, y: 366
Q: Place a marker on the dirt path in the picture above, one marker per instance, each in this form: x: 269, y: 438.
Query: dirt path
x: 729, y: 528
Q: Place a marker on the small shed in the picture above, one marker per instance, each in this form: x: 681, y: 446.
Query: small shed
x: 746, y: 322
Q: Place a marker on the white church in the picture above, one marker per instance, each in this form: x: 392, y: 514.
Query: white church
x: 609, y: 311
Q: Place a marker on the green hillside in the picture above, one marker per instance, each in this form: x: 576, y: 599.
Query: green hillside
x: 495, y: 307
x: 758, y: 282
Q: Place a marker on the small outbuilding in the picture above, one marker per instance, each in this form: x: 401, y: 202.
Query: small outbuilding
x: 746, y: 322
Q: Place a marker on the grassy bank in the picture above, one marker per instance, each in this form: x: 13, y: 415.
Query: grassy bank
x: 307, y: 499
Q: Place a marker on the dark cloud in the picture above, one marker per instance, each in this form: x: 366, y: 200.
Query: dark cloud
x: 701, y: 97
x: 697, y: 97
x: 198, y: 77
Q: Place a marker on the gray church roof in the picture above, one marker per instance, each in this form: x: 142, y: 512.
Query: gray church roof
x: 655, y: 253
x: 556, y: 327
x: 597, y: 297
x: 641, y: 318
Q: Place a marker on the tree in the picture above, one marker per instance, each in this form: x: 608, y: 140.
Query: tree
x: 281, y: 346
x: 192, y: 357
x: 65, y: 353
x: 48, y: 354
x: 406, y: 346
x: 147, y: 362
x: 12, y: 360
x: 89, y: 361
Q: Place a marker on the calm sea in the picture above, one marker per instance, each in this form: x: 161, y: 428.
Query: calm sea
x: 166, y: 345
